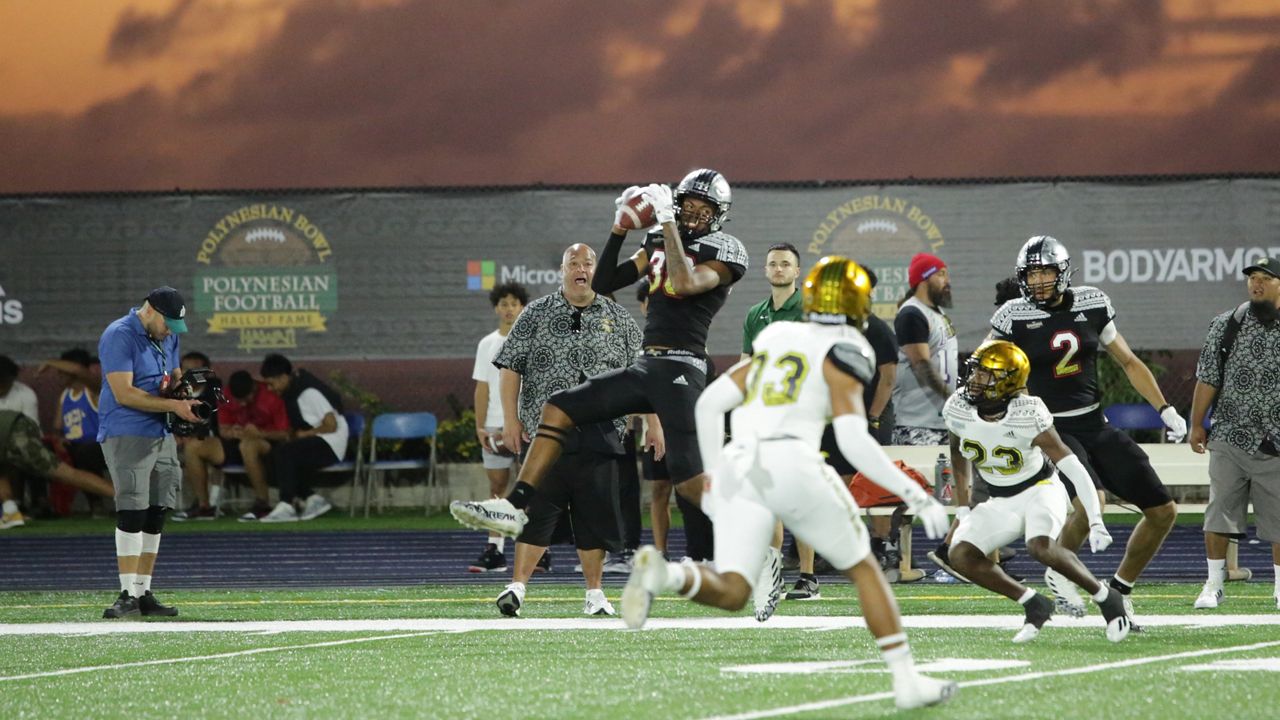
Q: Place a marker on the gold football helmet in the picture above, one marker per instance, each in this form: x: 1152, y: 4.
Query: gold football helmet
x: 998, y: 370
x: 837, y: 290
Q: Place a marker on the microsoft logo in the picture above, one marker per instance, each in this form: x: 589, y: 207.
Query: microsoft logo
x: 480, y: 274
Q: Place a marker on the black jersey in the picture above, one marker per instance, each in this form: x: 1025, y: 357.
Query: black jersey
x: 1062, y: 344
x: 682, y: 322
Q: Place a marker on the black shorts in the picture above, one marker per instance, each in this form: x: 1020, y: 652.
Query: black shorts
x: 231, y: 452
x: 666, y: 386
x: 1113, y: 459
x: 655, y: 470
x: 87, y: 456
x: 586, y: 486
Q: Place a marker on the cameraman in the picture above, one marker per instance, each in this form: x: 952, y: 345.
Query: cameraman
x: 139, y: 354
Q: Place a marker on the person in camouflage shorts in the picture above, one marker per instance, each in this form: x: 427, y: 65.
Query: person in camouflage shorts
x: 21, y: 449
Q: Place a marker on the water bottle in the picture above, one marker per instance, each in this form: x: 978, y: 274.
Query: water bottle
x: 942, y: 484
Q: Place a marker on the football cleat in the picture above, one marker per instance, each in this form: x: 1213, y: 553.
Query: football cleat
x: 805, y: 589
x: 598, y: 604
x: 940, y: 557
x: 1128, y: 610
x: 489, y: 561
x: 769, y: 586
x: 150, y: 606
x: 125, y: 606
x: 1038, y: 611
x: 1066, y: 598
x: 648, y: 572
x: 511, y: 599
x: 923, y: 692
x: 1210, y: 596
x: 496, y: 515
x: 1119, y: 622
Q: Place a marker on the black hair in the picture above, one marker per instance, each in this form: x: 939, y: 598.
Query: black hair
x: 642, y: 291
x: 871, y: 276
x: 241, y: 384
x: 275, y: 364
x: 197, y: 355
x: 8, y: 369
x: 1008, y: 289
x: 785, y: 246
x: 515, y: 290
x: 79, y: 356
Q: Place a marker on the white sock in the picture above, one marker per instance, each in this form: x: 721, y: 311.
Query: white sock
x: 1217, y: 571
x: 1103, y: 592
x: 146, y: 583
x: 139, y: 587
x: 126, y: 582
x: 10, y: 507
x: 898, y: 659
x: 215, y: 495
x: 1026, y: 596
x: 128, y: 545
x: 499, y: 541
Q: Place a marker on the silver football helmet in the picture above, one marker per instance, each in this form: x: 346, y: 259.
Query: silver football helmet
x: 1043, y: 251
x: 709, y: 186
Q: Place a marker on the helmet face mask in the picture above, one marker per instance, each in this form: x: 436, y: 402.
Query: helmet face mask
x: 1047, y: 254
x: 837, y: 291
x: 998, y: 371
x: 712, y: 189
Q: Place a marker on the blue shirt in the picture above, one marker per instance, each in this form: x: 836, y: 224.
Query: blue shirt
x: 79, y: 417
x: 126, y: 347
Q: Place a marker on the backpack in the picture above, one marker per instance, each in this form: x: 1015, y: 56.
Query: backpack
x: 1229, y: 339
x: 868, y: 494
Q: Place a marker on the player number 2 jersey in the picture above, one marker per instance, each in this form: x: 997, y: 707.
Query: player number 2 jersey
x: 1001, y: 450
x: 786, y: 393
x: 1062, y: 344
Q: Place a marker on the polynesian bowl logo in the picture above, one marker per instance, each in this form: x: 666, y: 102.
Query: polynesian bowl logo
x: 266, y: 274
x: 880, y: 232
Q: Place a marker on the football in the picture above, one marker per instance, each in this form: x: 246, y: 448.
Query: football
x: 637, y: 213
x: 497, y: 447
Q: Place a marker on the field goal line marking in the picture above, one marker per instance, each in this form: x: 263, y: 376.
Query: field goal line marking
x: 217, y: 656
x: 1085, y: 669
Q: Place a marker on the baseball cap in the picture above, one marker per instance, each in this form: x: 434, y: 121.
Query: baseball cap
x: 168, y: 302
x: 1270, y: 266
x: 922, y: 267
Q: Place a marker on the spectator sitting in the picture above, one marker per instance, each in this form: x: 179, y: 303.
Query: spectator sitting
x: 76, y: 422
x: 248, y: 423
x: 21, y: 449
x: 318, y: 438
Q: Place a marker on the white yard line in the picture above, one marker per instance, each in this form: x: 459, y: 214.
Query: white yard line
x: 201, y: 658
x: 841, y: 702
x: 739, y: 622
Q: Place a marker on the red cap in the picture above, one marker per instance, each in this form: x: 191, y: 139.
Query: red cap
x: 922, y: 267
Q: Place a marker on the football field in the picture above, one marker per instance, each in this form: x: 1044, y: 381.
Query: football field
x: 444, y: 652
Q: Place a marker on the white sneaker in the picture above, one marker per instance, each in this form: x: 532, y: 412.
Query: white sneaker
x: 511, y: 599
x: 12, y: 520
x: 282, y: 512
x: 769, y: 587
x: 496, y: 515
x: 1210, y: 596
x: 619, y: 563
x: 598, y: 604
x: 648, y: 573
x: 924, y: 691
x: 1066, y: 597
x: 316, y: 506
x: 1128, y: 610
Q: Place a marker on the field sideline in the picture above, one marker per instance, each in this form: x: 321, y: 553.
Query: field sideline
x: 444, y: 652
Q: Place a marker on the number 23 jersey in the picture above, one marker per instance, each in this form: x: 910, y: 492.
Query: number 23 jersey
x: 1062, y: 344
x: 1002, y: 450
x: 786, y: 392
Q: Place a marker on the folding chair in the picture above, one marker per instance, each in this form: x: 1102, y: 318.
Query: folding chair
x: 1134, y: 416
x: 400, y: 426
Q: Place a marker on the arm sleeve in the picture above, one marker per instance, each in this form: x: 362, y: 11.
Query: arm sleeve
x: 610, y: 275
x: 911, y: 327
x: 855, y: 442
x: 1071, y: 467
x: 719, y: 397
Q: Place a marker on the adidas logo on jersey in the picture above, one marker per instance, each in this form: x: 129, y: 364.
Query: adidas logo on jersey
x: 1010, y: 434
x: 680, y: 381
x: 694, y: 247
x: 1081, y: 318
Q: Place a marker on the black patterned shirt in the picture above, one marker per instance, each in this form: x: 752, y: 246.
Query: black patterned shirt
x: 1248, y: 404
x: 555, y: 346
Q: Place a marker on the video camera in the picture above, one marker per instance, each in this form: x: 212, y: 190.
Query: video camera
x: 196, y: 384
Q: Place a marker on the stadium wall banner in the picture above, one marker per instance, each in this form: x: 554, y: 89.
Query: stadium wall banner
x: 355, y: 275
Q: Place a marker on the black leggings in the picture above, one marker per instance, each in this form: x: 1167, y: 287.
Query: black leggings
x: 295, y: 462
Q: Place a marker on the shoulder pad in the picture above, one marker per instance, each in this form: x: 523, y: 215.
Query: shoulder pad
x: 854, y: 360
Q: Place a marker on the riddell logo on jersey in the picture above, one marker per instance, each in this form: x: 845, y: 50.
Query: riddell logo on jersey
x: 484, y: 274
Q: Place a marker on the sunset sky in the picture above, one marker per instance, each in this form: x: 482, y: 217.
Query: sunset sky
x: 201, y: 94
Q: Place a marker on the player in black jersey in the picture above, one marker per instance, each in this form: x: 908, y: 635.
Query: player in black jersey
x: 691, y: 265
x: 1061, y: 329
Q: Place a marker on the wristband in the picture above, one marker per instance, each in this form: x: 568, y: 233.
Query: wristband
x: 1164, y: 407
x: 873, y: 422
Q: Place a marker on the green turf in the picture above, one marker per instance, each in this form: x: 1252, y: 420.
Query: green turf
x: 603, y: 673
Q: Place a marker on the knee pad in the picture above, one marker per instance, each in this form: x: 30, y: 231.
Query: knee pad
x: 131, y: 521
x: 153, y: 521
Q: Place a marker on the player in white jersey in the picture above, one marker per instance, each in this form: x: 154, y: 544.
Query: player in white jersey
x: 799, y: 375
x: 1006, y: 434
